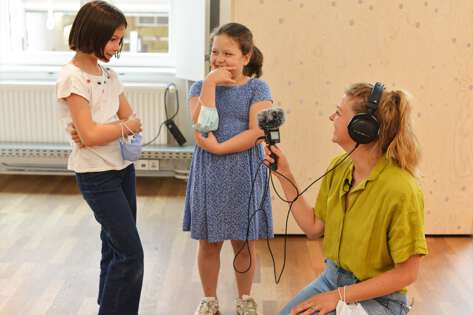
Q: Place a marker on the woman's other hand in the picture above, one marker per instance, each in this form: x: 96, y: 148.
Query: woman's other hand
x: 320, y: 304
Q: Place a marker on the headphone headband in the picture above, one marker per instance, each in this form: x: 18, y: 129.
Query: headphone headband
x: 375, y: 97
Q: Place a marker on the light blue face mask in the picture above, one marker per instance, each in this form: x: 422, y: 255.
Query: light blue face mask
x: 130, y: 150
x: 207, y: 120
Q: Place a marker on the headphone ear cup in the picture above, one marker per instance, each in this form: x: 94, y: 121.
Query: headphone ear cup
x: 363, y: 128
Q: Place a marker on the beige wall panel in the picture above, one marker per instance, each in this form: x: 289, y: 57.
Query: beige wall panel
x: 314, y: 49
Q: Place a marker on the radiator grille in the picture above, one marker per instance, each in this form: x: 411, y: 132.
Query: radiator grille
x: 28, y: 112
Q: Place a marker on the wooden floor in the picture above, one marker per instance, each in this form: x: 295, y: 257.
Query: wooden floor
x: 49, y: 254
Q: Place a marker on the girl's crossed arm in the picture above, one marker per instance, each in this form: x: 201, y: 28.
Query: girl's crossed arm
x: 89, y: 132
x: 241, y: 142
x: 124, y: 110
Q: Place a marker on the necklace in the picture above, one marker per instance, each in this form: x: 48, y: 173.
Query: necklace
x: 104, y: 76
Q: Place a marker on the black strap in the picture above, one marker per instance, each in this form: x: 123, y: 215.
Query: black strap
x: 375, y: 97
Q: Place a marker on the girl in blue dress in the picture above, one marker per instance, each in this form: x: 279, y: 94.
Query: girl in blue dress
x: 225, y: 163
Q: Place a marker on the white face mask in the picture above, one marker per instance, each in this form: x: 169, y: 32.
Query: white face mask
x: 348, y: 309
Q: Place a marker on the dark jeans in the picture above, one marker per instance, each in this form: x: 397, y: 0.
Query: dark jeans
x: 112, y: 197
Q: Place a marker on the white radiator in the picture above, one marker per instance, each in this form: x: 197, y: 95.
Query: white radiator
x: 28, y: 112
x: 32, y: 139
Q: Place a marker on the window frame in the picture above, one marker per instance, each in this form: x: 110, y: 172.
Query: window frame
x: 57, y: 58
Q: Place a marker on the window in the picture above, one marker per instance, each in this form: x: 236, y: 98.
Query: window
x: 37, y: 31
x: 147, y: 33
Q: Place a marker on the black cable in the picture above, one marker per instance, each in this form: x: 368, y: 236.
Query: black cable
x: 156, y: 137
x: 291, y: 203
x: 277, y: 277
x: 168, y: 87
x: 260, y: 208
x: 323, y: 175
x: 166, y: 98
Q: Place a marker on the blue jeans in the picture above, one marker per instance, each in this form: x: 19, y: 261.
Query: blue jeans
x: 112, y: 197
x: 332, y: 278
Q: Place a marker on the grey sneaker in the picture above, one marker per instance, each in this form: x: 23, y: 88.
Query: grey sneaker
x: 246, y: 306
x: 207, y: 306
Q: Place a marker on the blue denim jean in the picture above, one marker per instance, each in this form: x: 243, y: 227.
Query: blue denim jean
x: 112, y: 197
x: 332, y: 278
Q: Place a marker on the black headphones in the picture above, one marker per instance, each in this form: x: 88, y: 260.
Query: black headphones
x: 364, y: 127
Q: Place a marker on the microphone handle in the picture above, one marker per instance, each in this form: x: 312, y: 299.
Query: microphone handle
x: 274, y: 166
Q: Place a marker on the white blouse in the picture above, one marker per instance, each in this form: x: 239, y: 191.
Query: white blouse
x: 102, y: 92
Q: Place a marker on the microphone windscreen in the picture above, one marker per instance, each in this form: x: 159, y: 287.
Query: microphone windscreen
x: 271, y: 118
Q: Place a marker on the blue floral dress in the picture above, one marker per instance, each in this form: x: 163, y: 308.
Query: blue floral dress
x: 220, y: 186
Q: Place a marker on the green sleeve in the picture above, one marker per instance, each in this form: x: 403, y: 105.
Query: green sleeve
x: 406, y: 232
